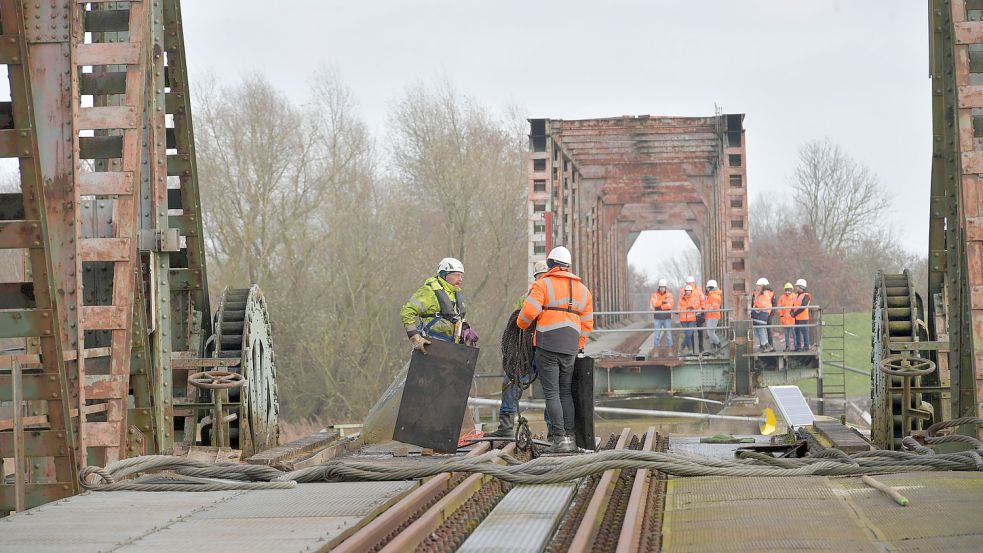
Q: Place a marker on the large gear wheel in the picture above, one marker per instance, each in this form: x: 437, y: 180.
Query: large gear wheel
x: 243, y: 330
x: 894, y: 318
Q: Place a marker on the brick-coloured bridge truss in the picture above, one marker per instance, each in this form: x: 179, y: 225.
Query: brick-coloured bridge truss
x: 596, y: 184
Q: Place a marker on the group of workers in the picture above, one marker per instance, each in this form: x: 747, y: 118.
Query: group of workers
x: 701, y: 311
x: 791, y: 309
x: 697, y: 310
x: 558, y: 309
x: 558, y: 306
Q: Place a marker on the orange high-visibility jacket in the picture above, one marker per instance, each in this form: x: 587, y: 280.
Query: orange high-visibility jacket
x: 563, y: 310
x: 662, y: 303
x: 802, y: 300
x: 715, y: 300
x: 689, y: 302
x: 763, y: 301
x: 785, y: 315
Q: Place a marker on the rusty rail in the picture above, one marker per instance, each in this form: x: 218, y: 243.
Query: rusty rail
x: 387, y: 524
x: 417, y: 532
x: 631, y: 529
x: 583, y: 539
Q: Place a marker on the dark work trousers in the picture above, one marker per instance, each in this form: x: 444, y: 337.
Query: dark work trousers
x: 556, y: 376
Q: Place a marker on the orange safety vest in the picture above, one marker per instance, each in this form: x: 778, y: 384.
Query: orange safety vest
x: 562, y: 309
x: 803, y: 314
x: 762, y: 302
x: 662, y: 301
x: 715, y: 300
x: 689, y: 302
x: 785, y: 315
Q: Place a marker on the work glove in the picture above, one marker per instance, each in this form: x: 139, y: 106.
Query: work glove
x: 468, y: 335
x: 419, y: 343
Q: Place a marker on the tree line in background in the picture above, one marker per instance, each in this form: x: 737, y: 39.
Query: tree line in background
x: 832, y: 229
x: 338, y: 229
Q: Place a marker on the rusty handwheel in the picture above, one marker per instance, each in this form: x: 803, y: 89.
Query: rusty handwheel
x: 906, y: 366
x: 216, y: 380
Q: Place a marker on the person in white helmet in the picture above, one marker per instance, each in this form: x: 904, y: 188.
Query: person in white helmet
x: 714, y: 301
x: 762, y: 302
x: 512, y: 391
x: 437, y: 307
x: 561, y: 307
x: 801, y: 313
x: 662, y: 303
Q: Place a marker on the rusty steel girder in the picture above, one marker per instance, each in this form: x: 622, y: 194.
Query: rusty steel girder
x: 596, y: 184
x: 108, y: 217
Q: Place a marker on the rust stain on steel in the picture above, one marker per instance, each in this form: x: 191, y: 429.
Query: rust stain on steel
x: 390, y: 520
x: 584, y: 538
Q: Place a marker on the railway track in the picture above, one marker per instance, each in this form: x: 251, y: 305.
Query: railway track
x: 616, y: 511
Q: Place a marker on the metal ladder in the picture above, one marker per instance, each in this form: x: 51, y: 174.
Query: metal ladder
x: 832, y: 359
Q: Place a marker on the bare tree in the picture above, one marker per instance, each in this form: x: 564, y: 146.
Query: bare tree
x: 839, y: 197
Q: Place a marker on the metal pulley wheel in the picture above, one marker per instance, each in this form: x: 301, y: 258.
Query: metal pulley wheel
x: 894, y: 318
x: 243, y: 331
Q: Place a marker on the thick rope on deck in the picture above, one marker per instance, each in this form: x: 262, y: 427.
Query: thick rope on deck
x: 189, y: 475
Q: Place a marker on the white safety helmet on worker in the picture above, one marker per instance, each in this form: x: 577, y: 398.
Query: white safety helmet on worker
x: 539, y: 268
x: 711, y: 284
x: 801, y: 282
x: 690, y: 280
x: 663, y: 283
x: 560, y: 256
x: 450, y: 265
x: 762, y: 282
x: 689, y: 288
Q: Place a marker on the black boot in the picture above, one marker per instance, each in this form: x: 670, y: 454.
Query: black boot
x: 506, y: 428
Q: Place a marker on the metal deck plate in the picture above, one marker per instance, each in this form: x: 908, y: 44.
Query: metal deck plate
x: 824, y: 514
x: 523, y: 521
x: 311, y: 515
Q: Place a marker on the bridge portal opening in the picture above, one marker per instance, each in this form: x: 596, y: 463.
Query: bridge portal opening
x: 657, y: 254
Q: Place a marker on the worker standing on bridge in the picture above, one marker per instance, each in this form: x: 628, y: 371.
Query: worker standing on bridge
x: 512, y: 391
x: 701, y: 318
x: 762, y: 302
x: 785, y: 317
x: 436, y: 310
x: 801, y: 314
x: 662, y: 303
x: 689, y: 304
x: 562, y: 309
x: 714, y: 301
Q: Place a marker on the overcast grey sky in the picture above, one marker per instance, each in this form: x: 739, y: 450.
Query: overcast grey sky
x: 856, y: 72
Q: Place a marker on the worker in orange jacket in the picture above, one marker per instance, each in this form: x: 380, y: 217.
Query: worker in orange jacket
x: 714, y: 300
x: 785, y: 317
x: 802, y: 300
x: 763, y: 299
x: 689, y: 303
x: 662, y: 303
x: 561, y: 307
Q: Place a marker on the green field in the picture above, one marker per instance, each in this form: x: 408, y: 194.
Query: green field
x: 856, y: 355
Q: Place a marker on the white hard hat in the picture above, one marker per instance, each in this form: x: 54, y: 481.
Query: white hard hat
x: 689, y: 288
x: 540, y: 267
x: 560, y: 255
x: 663, y: 283
x: 690, y: 280
x: 450, y: 265
x: 762, y: 282
x: 711, y: 283
x: 801, y: 282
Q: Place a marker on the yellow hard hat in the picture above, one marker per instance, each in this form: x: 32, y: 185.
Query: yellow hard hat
x: 788, y: 286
